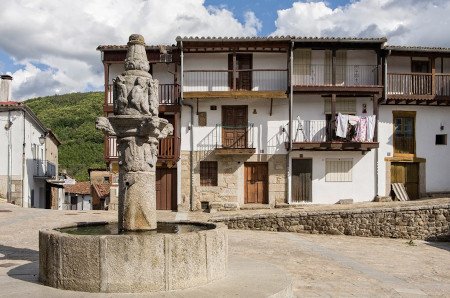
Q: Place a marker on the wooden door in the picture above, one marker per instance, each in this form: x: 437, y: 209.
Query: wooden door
x: 256, y: 183
x: 408, y: 174
x: 166, y: 188
x: 301, y: 180
x: 404, y: 135
x: 234, y: 126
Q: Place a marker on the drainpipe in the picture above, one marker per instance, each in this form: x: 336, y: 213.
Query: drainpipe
x: 191, y: 134
x: 8, y: 170
x: 23, y: 161
x: 291, y: 97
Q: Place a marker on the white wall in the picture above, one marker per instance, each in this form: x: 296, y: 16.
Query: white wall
x: 268, y: 137
x: 362, y: 186
x: 428, y: 122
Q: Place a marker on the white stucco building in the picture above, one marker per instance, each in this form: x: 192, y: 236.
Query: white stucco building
x: 283, y: 120
x: 24, y: 167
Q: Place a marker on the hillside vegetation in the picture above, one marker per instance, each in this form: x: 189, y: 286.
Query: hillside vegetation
x: 72, y: 118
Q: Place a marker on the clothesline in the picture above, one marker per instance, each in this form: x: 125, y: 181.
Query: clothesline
x: 363, y: 126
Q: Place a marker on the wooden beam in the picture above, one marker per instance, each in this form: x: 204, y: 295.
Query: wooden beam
x: 376, y: 113
x: 234, y: 70
x: 433, y: 75
x: 333, y: 111
x: 333, y: 67
x: 277, y: 94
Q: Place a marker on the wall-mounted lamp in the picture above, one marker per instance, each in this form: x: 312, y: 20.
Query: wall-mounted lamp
x: 442, y: 126
x: 42, y: 139
x: 255, y: 112
x: 364, y: 108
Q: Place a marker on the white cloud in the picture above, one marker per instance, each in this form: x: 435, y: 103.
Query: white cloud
x: 404, y: 22
x: 64, y: 34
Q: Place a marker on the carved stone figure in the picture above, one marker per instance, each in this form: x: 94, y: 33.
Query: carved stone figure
x: 138, y: 128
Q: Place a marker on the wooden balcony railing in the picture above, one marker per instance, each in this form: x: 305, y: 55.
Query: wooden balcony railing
x: 443, y: 84
x: 169, y: 148
x: 169, y: 94
x: 240, y: 80
x: 409, y: 83
x: 342, y: 75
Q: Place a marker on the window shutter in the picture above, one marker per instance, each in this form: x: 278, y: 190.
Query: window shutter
x: 338, y: 170
x: 302, y: 62
x: 208, y: 173
x: 343, y: 105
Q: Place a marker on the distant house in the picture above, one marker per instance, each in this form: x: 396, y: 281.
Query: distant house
x: 100, y: 188
x: 28, y: 154
x: 78, y: 196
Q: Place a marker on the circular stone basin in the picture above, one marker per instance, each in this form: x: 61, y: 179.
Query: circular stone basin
x: 94, y: 257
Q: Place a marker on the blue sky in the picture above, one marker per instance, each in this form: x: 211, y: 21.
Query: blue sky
x: 53, y: 50
x: 265, y: 10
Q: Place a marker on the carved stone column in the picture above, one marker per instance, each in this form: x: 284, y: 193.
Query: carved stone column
x: 137, y: 127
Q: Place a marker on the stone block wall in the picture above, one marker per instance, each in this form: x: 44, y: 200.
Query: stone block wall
x: 409, y: 222
x: 230, y: 184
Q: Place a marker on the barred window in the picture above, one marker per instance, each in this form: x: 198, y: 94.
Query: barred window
x: 208, y: 173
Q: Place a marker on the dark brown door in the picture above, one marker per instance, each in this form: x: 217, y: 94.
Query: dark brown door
x: 404, y: 140
x: 234, y: 126
x: 256, y: 183
x: 302, y: 180
x: 243, y: 77
x: 166, y: 188
x: 408, y: 174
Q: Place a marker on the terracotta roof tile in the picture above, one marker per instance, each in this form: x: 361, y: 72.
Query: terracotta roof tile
x: 102, y: 189
x: 81, y: 188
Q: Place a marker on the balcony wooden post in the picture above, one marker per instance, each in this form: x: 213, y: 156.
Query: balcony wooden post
x: 433, y: 76
x: 106, y: 71
x: 333, y: 115
x: 333, y: 67
x: 375, y: 99
x: 380, y: 81
x: 234, y: 71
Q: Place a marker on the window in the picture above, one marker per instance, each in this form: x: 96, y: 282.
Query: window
x: 404, y: 133
x: 441, y: 139
x: 202, y: 119
x: 343, y: 105
x: 208, y: 173
x: 338, y: 170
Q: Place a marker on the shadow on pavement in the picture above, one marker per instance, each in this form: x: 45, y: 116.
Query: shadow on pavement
x: 26, y: 272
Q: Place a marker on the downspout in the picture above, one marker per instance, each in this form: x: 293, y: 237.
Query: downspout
x: 191, y: 134
x: 23, y: 161
x: 291, y: 98
x: 8, y: 169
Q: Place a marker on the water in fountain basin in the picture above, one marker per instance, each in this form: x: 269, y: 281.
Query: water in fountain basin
x: 112, y: 229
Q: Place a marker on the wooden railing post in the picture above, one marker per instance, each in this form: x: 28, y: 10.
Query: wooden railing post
x: 234, y: 71
x: 376, y: 113
x: 333, y: 67
x: 333, y: 115
x: 433, y: 76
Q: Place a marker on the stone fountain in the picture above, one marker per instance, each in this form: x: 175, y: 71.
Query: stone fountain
x: 136, y: 254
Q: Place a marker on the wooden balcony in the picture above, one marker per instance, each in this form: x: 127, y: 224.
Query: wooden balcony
x: 418, y: 86
x: 168, y: 149
x: 318, y: 135
x: 317, y: 78
x: 169, y: 97
x: 248, y: 83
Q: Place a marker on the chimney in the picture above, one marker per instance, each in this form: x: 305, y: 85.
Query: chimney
x: 5, y: 87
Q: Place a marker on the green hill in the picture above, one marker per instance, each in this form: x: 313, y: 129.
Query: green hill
x: 72, y: 118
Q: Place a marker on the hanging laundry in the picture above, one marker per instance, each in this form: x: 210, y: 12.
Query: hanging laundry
x: 342, y: 124
x: 353, y: 120
x: 361, y: 130
x: 371, y: 122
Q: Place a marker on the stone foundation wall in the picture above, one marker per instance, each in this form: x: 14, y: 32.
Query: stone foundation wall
x: 230, y: 184
x: 417, y: 222
x: 16, y: 189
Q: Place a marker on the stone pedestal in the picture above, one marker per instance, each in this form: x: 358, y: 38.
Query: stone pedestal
x: 139, y: 211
